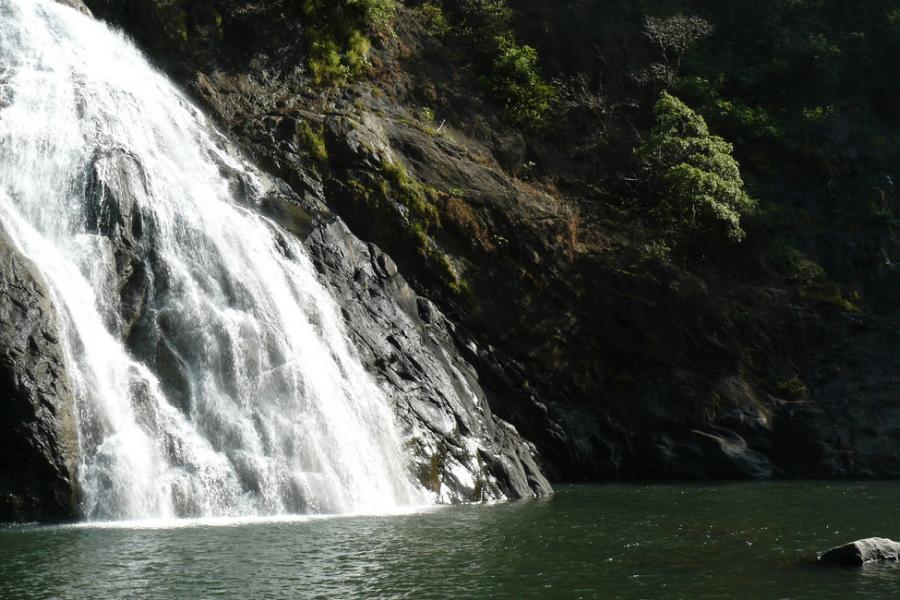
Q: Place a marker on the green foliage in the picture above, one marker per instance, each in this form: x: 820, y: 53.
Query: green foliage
x: 509, y: 69
x: 657, y: 250
x: 792, y: 389
x: 822, y: 74
x: 426, y: 114
x: 754, y: 123
x: 312, y: 141
x: 422, y: 218
x: 515, y: 80
x: 796, y: 267
x: 809, y: 277
x: 485, y: 20
x: 433, y: 18
x: 830, y: 293
x: 415, y: 222
x: 818, y: 115
x: 181, y: 25
x: 417, y: 198
x: 337, y: 36
x: 746, y: 124
x: 696, y: 184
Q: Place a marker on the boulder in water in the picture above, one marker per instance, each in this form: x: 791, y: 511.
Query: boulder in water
x: 860, y: 552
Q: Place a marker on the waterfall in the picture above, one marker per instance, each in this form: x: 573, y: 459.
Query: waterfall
x: 212, y: 372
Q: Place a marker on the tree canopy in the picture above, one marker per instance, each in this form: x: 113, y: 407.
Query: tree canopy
x: 696, y: 187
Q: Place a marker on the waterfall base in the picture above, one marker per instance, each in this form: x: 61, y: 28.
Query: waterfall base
x: 206, y: 342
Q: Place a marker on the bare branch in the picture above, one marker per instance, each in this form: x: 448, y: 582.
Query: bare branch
x: 676, y: 35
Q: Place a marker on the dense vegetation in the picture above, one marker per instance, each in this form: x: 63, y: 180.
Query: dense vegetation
x: 804, y: 89
x: 690, y: 108
x: 795, y: 98
x: 337, y: 35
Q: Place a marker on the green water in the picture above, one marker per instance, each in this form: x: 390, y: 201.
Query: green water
x: 615, y: 541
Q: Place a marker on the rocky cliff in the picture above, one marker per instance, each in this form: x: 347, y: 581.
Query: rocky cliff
x: 460, y: 451
x: 37, y: 429
x: 614, y: 359
x: 615, y: 362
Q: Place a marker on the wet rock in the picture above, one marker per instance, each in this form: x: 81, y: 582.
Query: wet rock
x: 727, y: 455
x: 461, y: 451
x: 860, y: 552
x: 38, y: 442
x: 77, y: 5
x: 113, y: 212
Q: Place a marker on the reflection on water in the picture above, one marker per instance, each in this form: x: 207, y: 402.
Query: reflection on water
x: 648, y: 541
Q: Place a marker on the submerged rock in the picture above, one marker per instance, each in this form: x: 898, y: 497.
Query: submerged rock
x: 860, y: 552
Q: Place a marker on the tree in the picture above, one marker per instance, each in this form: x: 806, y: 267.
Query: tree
x: 674, y: 36
x: 694, y: 182
x: 516, y: 80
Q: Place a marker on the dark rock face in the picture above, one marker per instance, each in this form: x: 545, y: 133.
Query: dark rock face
x: 38, y: 441
x: 860, y: 552
x: 849, y: 424
x: 613, y: 364
x: 461, y: 451
x: 116, y: 216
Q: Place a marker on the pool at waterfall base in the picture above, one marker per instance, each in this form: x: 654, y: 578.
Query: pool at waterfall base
x: 732, y: 540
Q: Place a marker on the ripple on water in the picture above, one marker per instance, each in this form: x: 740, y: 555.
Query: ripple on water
x: 590, y: 542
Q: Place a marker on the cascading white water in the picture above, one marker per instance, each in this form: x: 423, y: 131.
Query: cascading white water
x: 274, y: 413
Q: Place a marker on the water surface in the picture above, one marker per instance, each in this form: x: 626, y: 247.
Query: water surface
x: 613, y: 541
